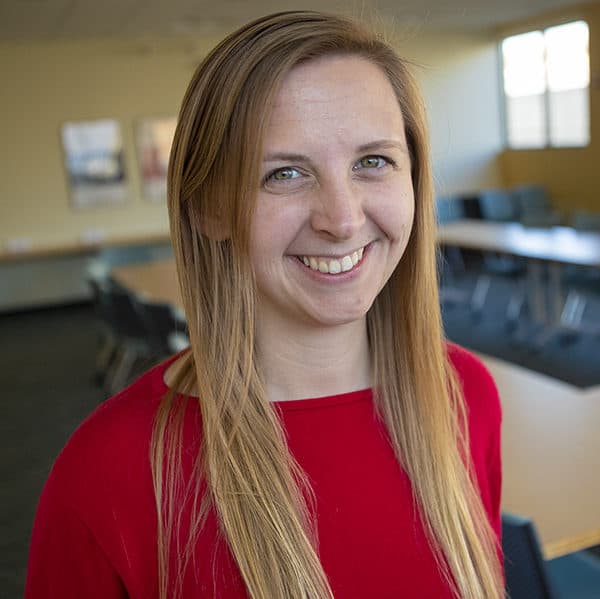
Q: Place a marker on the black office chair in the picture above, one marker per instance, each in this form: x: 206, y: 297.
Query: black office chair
x: 524, y: 566
x: 131, y: 334
x: 535, y: 209
x: 450, y: 259
x: 167, y: 328
x: 529, y: 576
x: 582, y: 284
x: 99, y: 285
x: 584, y: 220
x: 576, y: 575
x: 448, y: 209
x: 500, y: 206
x: 471, y: 207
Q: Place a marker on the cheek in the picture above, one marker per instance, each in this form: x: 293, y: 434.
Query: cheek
x: 268, y: 246
x: 396, y: 217
x: 275, y: 225
x: 262, y: 232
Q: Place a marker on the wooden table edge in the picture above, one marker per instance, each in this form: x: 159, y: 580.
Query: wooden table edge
x: 577, y: 543
x: 78, y: 247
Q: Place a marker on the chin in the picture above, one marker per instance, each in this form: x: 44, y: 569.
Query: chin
x: 340, y: 317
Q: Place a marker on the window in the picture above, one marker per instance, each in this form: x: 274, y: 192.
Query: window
x: 546, y: 87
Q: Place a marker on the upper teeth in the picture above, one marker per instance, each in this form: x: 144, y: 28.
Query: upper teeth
x: 333, y: 266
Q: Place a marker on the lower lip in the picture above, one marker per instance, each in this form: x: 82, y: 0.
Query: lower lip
x: 342, y: 276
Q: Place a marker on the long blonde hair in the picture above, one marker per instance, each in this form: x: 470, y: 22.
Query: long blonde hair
x: 244, y: 470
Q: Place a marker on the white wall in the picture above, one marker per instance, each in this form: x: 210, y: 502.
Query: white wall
x: 460, y: 82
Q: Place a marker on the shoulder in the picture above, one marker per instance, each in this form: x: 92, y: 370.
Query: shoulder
x: 98, y: 505
x: 479, y: 388
x: 472, y: 373
x: 466, y: 364
x: 95, y: 521
x: 123, y: 418
x: 111, y: 446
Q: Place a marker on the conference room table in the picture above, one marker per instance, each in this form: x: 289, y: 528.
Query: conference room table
x: 155, y: 281
x: 553, y: 247
x: 551, y: 439
x: 562, y: 245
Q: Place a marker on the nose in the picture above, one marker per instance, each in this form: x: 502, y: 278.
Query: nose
x: 338, y: 209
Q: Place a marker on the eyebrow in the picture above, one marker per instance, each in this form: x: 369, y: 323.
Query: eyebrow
x: 380, y: 144
x: 285, y: 157
x: 383, y: 144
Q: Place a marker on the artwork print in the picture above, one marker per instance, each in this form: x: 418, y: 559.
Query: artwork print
x: 95, y: 163
x: 154, y: 140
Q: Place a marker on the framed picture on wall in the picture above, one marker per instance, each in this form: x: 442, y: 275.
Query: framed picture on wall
x: 154, y: 137
x: 94, y: 162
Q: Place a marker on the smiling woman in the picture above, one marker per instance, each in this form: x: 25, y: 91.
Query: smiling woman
x: 319, y: 439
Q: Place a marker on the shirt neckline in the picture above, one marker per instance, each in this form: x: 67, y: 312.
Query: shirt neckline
x: 308, y: 403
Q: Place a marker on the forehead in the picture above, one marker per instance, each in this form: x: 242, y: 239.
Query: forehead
x: 345, y: 94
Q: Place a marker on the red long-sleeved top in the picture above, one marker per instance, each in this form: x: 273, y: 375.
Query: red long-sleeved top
x: 94, y: 535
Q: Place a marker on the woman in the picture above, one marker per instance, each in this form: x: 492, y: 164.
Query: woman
x: 319, y: 439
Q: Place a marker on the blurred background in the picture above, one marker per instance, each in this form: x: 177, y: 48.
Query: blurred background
x: 88, y: 297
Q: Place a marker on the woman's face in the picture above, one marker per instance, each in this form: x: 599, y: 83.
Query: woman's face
x: 335, y: 207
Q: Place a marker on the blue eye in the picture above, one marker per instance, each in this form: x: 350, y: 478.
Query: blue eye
x: 283, y: 174
x: 371, y: 162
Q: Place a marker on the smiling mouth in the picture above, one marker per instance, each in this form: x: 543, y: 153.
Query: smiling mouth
x: 333, y: 266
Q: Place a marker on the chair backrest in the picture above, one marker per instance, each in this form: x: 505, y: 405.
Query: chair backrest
x: 100, y: 286
x: 524, y: 566
x: 532, y: 200
x: 498, y: 205
x: 125, y: 317
x: 161, y: 322
x: 448, y: 209
x: 585, y: 221
x: 471, y: 207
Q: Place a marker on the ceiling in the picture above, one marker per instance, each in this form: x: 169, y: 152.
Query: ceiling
x: 75, y: 19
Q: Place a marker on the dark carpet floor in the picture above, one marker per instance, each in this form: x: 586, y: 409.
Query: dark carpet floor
x: 47, y: 361
x: 46, y: 374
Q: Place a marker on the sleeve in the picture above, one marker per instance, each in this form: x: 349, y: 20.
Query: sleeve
x: 65, y: 560
x: 494, y: 475
x: 485, y: 429
x: 494, y: 467
x: 486, y: 432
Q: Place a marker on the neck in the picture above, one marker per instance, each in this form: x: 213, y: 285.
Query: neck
x: 314, y: 362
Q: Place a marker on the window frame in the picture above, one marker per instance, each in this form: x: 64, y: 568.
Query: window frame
x: 504, y: 98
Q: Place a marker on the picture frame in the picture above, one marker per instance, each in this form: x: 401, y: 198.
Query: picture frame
x: 154, y: 138
x: 94, y: 162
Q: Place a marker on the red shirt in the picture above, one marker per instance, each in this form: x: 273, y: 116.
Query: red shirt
x: 94, y: 535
